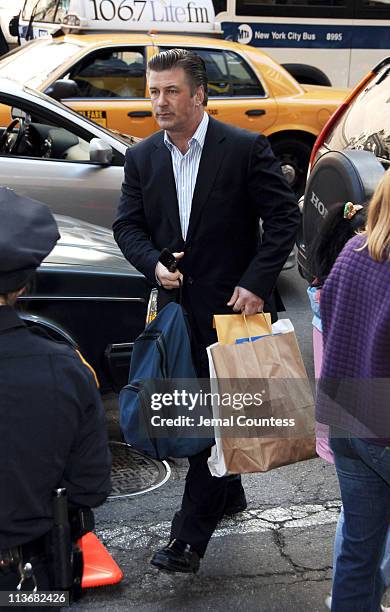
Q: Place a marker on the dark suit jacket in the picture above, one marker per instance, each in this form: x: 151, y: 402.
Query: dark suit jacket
x: 239, y: 181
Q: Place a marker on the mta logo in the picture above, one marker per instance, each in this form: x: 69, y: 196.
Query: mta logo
x: 245, y: 34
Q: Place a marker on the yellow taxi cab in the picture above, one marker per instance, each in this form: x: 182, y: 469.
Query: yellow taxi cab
x: 102, y: 75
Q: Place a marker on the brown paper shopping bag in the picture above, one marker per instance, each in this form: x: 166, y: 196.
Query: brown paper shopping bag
x: 275, y: 427
x: 232, y: 327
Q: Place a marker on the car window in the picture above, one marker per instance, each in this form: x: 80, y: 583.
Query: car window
x: 62, y: 9
x: 47, y: 11
x: 229, y: 75
x: 40, y: 135
x: 111, y: 73
x: 217, y: 72
x: 366, y: 123
x: 242, y: 78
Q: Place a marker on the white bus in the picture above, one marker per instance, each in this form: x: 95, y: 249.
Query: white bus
x: 319, y: 41
x: 322, y: 42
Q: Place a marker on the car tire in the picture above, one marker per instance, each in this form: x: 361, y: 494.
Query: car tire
x: 294, y: 156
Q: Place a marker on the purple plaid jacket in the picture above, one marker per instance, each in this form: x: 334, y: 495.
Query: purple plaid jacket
x: 354, y: 389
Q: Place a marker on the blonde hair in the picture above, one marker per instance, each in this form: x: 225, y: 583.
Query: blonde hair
x: 378, y: 221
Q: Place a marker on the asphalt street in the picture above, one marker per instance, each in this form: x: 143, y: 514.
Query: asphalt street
x: 275, y: 556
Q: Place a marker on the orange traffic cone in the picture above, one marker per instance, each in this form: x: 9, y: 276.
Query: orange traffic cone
x: 100, y: 568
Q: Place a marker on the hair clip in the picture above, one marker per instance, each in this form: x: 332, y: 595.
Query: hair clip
x: 350, y: 210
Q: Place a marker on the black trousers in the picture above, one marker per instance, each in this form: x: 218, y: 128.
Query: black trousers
x: 205, y: 496
x: 204, y: 500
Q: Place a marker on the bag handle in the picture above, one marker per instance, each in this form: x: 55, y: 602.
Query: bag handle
x: 269, y: 327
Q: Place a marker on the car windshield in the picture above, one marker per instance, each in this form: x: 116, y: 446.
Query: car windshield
x: 366, y: 124
x: 38, y: 59
x: 125, y: 139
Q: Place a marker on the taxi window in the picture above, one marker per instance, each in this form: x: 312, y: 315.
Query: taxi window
x: 229, y: 75
x: 366, y: 123
x: 217, y: 72
x: 242, y: 78
x: 111, y: 73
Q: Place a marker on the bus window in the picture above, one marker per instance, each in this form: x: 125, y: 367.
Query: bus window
x: 219, y: 6
x: 294, y: 8
x: 62, y: 9
x: 373, y: 9
x: 45, y: 11
x: 27, y: 9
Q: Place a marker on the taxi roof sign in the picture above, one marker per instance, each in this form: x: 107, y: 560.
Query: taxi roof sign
x: 141, y: 15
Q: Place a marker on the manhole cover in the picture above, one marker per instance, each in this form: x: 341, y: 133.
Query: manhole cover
x: 133, y: 473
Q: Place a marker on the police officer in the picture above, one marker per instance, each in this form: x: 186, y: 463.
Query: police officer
x: 52, y: 425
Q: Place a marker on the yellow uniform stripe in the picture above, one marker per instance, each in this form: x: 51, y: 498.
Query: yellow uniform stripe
x: 90, y: 368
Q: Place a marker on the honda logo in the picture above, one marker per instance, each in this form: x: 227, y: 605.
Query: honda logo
x: 320, y: 206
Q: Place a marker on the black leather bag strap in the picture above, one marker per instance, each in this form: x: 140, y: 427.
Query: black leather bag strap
x: 180, y: 293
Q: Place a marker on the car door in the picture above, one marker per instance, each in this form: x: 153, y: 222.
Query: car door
x: 112, y: 86
x: 236, y: 93
x: 82, y: 190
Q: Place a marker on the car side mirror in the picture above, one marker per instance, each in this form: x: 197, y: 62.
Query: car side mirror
x: 62, y: 89
x: 17, y: 113
x: 13, y: 26
x: 100, y: 152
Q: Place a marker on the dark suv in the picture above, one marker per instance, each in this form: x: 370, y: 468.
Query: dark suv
x: 348, y: 157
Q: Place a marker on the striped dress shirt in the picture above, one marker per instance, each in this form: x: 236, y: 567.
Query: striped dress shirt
x: 185, y: 170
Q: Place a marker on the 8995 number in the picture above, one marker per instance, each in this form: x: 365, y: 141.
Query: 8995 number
x: 127, y: 10
x: 336, y: 36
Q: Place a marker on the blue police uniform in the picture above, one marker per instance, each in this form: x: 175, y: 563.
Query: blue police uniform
x: 52, y: 424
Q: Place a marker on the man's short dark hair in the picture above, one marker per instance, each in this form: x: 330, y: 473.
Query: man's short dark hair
x: 192, y: 64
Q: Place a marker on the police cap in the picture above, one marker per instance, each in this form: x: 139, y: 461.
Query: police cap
x: 28, y: 232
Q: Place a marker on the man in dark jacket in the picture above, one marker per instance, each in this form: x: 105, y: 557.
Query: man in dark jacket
x: 199, y: 188
x: 52, y: 425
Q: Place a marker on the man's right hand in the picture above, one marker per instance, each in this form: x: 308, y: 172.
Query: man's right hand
x: 169, y: 280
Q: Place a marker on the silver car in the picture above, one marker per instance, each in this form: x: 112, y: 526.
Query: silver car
x: 54, y: 155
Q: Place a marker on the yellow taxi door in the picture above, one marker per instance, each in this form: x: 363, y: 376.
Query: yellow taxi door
x: 237, y: 94
x: 112, y: 86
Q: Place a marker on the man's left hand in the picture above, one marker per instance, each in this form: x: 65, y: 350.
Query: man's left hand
x: 245, y: 301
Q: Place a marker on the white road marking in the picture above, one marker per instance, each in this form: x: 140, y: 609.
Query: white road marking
x: 250, y: 521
